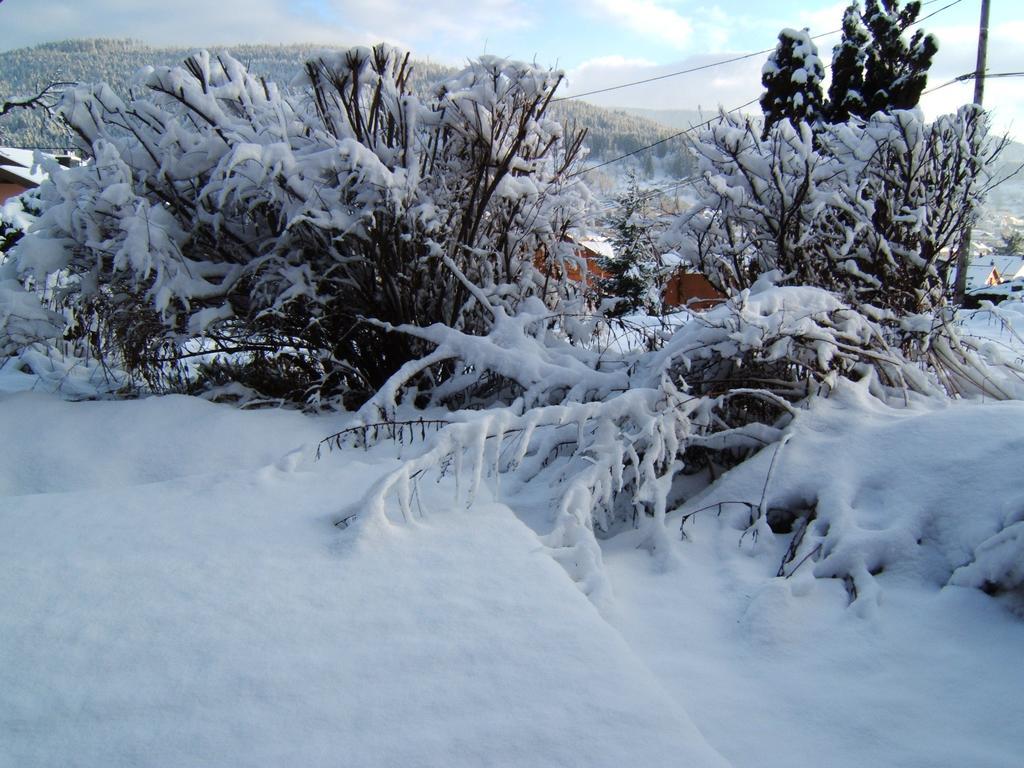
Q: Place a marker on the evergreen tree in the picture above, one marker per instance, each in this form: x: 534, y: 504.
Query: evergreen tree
x: 629, y: 272
x: 896, y: 71
x: 792, y: 79
x: 874, y: 68
x: 845, y: 95
x: 1013, y: 243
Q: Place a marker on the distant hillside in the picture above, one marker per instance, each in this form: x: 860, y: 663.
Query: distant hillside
x: 610, y: 132
x: 614, y: 132
x: 679, y: 119
x: 1013, y: 154
x: 116, y: 62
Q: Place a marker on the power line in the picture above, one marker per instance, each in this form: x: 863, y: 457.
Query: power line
x: 670, y: 74
x: 970, y: 76
x: 651, y: 194
x: 693, y: 128
x: 959, y: 79
x: 936, y: 11
x: 685, y: 131
x: 662, y: 191
x: 723, y: 62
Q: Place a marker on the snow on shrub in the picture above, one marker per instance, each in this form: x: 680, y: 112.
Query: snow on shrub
x: 871, y: 210
x: 24, y: 321
x: 350, y: 240
x: 615, y: 435
x: 998, y: 563
x: 220, y: 213
x: 866, y: 492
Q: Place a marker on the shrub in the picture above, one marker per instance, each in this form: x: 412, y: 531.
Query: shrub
x: 288, y: 228
x: 871, y: 211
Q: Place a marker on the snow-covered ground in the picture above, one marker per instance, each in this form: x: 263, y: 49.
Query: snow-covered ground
x: 1001, y: 324
x: 783, y: 671
x: 173, y: 591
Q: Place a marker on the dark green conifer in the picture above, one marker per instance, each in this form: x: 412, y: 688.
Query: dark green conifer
x: 895, y: 70
x: 845, y: 95
x: 792, y: 80
x: 629, y: 273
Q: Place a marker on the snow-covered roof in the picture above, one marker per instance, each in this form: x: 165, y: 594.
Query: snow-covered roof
x: 17, y: 156
x: 1007, y: 265
x: 20, y: 165
x: 1010, y: 289
x: 599, y: 245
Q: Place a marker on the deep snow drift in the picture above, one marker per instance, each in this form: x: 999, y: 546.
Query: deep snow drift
x: 173, y: 592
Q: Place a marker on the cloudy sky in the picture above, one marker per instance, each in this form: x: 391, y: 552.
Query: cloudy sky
x: 597, y: 42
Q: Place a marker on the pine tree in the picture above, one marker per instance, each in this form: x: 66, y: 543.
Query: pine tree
x: 845, y: 95
x: 630, y: 271
x: 1013, y: 243
x: 792, y: 79
x: 896, y: 71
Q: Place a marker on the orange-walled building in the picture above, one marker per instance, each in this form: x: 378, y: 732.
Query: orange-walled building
x: 681, y: 289
x: 16, y: 174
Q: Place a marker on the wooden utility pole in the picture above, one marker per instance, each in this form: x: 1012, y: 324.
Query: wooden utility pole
x: 964, y: 254
x: 979, y: 68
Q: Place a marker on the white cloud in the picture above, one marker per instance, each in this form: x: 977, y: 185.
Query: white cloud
x: 427, y: 30
x: 650, y: 19
x: 957, y: 55
x: 718, y: 29
x: 714, y: 29
x: 187, y: 22
x: 822, y: 20
x: 603, y: 64
x: 467, y: 25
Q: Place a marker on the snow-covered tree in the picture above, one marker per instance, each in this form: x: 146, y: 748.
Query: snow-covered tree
x: 630, y: 273
x: 845, y: 94
x: 855, y: 218
x: 759, y: 204
x: 1013, y: 242
x: 896, y: 69
x: 792, y: 80
x: 869, y: 211
x: 44, y: 100
x: 874, y: 67
x: 292, y: 229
